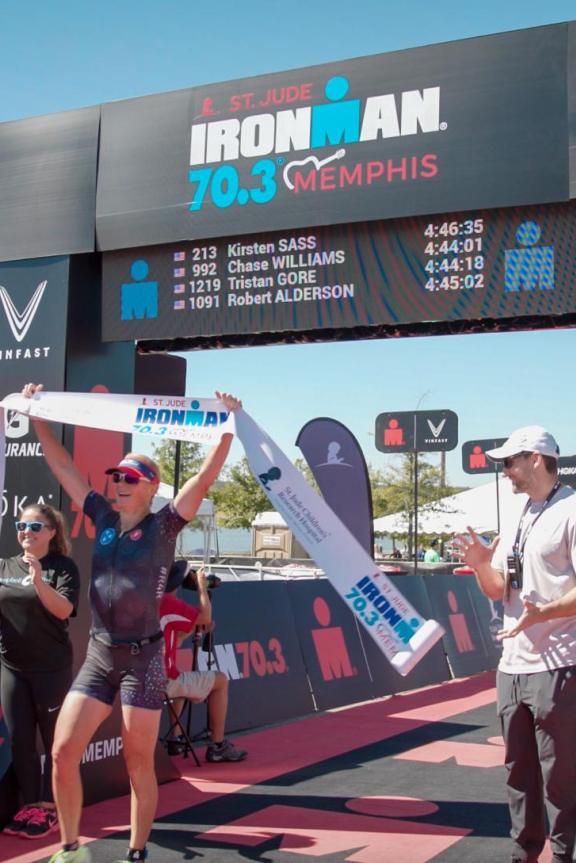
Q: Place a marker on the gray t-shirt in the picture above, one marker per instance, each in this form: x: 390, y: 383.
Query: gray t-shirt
x: 549, y: 572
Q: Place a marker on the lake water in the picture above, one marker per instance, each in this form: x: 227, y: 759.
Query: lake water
x: 235, y: 541
x: 230, y: 541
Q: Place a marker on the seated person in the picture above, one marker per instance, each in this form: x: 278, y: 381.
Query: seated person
x: 178, y: 620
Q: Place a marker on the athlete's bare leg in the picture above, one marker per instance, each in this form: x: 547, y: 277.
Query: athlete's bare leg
x: 140, y: 728
x: 79, y: 718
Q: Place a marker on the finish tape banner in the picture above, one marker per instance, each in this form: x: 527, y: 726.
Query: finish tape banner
x: 402, y: 635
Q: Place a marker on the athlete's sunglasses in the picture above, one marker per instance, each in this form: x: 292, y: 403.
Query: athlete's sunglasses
x: 34, y: 526
x: 128, y: 478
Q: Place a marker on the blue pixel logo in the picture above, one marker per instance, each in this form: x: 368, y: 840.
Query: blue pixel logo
x: 139, y: 298
x: 532, y: 266
x: 107, y: 536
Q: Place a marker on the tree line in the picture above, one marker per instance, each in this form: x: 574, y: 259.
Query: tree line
x: 238, y: 497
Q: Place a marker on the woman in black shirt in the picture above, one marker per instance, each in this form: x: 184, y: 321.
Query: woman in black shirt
x: 38, y: 593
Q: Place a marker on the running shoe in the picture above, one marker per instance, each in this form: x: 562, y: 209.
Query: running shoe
x: 18, y: 824
x: 80, y: 855
x: 143, y: 855
x: 225, y: 751
x: 41, y: 823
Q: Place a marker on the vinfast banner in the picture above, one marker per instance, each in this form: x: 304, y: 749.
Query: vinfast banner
x: 33, y: 317
x: 478, y: 123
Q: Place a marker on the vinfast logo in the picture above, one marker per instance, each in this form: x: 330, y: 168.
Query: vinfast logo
x: 436, y: 430
x: 20, y: 322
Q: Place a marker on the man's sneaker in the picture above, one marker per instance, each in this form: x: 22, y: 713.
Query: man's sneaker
x: 80, y: 855
x: 41, y: 823
x: 225, y: 751
x: 18, y: 824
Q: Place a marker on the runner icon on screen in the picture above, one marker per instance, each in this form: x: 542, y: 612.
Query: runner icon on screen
x: 531, y: 267
x: 139, y: 299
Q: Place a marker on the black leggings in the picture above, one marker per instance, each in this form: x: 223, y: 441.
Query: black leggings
x: 31, y: 701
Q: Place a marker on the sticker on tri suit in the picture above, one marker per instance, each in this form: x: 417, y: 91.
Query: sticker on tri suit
x: 107, y: 536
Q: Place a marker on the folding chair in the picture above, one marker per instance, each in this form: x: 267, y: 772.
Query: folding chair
x: 181, y: 727
x: 176, y: 720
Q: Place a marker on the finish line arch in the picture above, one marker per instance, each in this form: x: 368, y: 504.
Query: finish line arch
x: 422, y: 192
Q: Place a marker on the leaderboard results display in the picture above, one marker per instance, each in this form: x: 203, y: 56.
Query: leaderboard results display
x: 487, y: 264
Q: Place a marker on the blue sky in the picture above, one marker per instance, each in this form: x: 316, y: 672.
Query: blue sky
x: 61, y: 55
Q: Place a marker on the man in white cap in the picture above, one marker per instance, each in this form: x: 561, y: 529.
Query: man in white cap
x: 533, y: 570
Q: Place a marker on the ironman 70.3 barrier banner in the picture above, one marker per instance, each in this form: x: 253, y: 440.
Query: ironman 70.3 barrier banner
x: 402, y: 635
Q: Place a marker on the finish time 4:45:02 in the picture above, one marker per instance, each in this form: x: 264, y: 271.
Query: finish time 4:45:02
x: 456, y: 283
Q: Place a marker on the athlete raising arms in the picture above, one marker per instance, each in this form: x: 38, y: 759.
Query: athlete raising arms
x: 133, y: 553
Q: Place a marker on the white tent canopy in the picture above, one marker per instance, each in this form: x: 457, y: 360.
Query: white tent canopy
x: 475, y: 507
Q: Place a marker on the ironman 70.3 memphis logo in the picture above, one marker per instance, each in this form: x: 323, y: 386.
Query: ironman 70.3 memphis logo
x: 271, y: 138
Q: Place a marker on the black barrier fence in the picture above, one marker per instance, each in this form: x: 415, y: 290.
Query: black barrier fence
x: 333, y: 653
x: 289, y: 648
x: 433, y: 668
x: 470, y: 621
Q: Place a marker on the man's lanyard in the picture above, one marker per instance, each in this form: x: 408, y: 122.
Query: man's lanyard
x: 518, y: 549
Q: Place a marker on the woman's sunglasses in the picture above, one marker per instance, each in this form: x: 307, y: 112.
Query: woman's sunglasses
x: 128, y: 478
x: 34, y: 526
